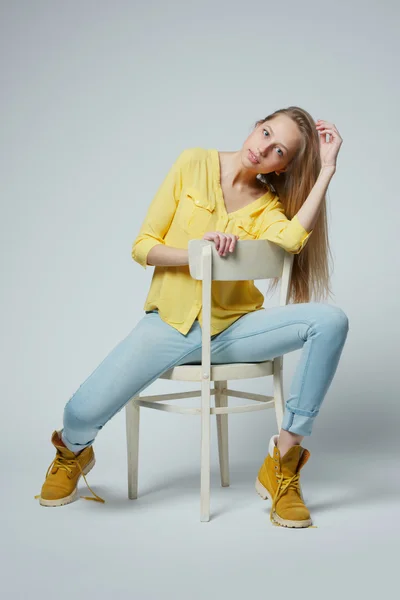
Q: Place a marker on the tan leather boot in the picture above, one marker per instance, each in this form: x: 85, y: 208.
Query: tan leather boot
x: 279, y: 481
x: 63, y: 474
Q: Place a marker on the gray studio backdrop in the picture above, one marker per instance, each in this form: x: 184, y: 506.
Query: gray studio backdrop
x: 97, y: 101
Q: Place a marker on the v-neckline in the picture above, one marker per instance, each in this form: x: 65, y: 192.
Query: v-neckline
x: 218, y: 187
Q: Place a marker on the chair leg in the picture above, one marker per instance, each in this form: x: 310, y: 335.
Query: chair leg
x: 222, y: 432
x: 205, y: 454
x: 132, y: 417
x: 279, y: 398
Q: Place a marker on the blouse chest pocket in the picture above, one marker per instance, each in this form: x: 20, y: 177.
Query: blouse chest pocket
x: 246, y: 229
x: 194, y: 211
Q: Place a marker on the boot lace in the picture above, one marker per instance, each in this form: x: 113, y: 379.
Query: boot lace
x: 284, y: 484
x: 67, y: 464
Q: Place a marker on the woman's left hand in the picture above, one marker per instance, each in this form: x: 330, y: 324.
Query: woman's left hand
x: 328, y: 150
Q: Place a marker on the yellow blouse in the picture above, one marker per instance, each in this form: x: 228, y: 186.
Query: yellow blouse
x: 188, y: 204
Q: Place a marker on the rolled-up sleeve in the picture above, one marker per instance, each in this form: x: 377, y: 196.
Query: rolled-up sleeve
x: 160, y: 213
x: 286, y: 233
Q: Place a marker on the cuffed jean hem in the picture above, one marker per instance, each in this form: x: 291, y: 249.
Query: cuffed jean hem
x: 74, y: 447
x: 299, y: 424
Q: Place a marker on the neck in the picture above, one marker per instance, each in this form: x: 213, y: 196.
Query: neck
x: 235, y: 174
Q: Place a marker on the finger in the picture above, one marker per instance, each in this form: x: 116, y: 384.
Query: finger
x: 322, y: 122
x: 232, y: 243
x: 210, y: 235
x: 328, y: 130
x: 223, y: 244
x: 332, y: 132
x: 327, y: 126
x: 227, y: 243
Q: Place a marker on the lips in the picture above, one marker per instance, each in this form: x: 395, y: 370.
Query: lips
x: 253, y: 157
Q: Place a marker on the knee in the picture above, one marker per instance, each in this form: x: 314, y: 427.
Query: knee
x: 76, y: 417
x: 340, y: 319
x: 333, y: 318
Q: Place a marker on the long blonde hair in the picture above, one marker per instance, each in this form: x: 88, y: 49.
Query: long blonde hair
x: 311, y: 274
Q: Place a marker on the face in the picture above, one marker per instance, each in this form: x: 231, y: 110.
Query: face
x: 274, y: 143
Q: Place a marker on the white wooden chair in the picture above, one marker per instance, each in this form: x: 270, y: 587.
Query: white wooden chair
x: 251, y: 260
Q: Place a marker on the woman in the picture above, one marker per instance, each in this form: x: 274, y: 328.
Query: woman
x: 273, y: 188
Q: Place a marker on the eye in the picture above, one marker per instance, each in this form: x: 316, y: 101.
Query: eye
x: 266, y: 131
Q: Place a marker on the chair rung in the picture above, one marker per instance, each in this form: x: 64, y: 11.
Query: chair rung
x: 247, y: 395
x: 197, y: 394
x: 214, y: 410
x: 168, y: 407
x: 175, y: 396
x: 223, y: 410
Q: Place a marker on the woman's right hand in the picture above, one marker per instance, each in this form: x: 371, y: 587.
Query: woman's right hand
x: 224, y: 242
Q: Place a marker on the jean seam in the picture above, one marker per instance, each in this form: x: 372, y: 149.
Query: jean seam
x: 303, y: 377
x: 241, y: 337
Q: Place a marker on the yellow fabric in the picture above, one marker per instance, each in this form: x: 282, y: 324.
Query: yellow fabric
x: 188, y: 204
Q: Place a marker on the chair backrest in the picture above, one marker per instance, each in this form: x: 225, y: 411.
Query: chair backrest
x: 251, y: 260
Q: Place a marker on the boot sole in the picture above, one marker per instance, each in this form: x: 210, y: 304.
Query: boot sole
x: 73, y: 496
x: 264, y: 494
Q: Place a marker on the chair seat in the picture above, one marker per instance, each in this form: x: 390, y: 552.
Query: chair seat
x: 224, y: 372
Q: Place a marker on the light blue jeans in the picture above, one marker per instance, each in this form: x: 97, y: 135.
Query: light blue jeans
x: 153, y: 347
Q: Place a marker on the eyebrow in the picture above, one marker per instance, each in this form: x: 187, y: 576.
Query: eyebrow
x: 269, y: 126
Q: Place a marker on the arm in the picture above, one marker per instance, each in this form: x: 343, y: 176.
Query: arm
x: 149, y: 247
x: 308, y: 213
x: 167, y: 256
x: 286, y: 233
x: 292, y: 235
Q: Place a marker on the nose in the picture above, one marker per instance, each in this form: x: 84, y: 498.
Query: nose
x: 263, y: 149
